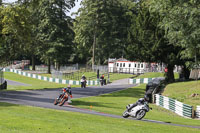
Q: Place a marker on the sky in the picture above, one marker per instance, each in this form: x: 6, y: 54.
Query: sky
x: 74, y: 9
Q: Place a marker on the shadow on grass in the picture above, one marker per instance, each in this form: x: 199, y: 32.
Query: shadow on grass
x: 4, y: 104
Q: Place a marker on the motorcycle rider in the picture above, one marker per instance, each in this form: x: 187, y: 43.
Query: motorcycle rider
x: 83, y: 79
x: 102, y: 79
x: 139, y: 102
x: 68, y: 90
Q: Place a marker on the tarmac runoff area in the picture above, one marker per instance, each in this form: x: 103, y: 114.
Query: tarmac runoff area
x: 45, y: 98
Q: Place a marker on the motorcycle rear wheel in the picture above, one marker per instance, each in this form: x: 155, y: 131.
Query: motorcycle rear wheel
x: 125, y: 114
x: 140, y: 114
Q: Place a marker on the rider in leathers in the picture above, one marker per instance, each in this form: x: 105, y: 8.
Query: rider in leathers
x: 139, y: 102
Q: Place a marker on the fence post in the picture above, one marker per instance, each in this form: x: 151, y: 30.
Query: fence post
x: 193, y: 112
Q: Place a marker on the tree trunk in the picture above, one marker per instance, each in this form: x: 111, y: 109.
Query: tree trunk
x: 58, y: 66
x: 93, y: 51
x: 169, y: 75
x: 33, y: 62
x: 186, y: 72
x: 49, y: 66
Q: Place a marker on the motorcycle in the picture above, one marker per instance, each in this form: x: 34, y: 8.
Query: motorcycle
x: 83, y: 83
x: 137, y: 112
x: 63, y: 98
x: 102, y: 82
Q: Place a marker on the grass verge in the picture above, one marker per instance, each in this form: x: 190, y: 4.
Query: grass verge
x: 114, y: 103
x: 32, y: 83
x: 14, y: 118
x: 182, y: 91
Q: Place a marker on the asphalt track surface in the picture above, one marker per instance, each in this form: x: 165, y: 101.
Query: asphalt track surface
x: 45, y: 98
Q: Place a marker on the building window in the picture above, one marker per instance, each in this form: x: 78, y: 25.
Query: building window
x: 135, y: 65
x: 138, y: 65
x: 120, y: 64
x: 141, y: 65
x: 124, y: 65
x: 117, y: 64
x: 129, y: 65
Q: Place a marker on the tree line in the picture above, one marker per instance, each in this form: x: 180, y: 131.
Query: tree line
x: 140, y: 30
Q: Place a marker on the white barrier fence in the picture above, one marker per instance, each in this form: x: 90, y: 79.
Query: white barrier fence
x: 50, y: 79
x: 198, y: 112
x: 175, y: 106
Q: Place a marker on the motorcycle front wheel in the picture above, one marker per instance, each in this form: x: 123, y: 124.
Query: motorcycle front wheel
x: 140, y: 114
x: 55, y: 101
x: 63, y: 101
x: 125, y: 114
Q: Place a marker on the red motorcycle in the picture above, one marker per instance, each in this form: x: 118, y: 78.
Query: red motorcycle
x: 63, y: 97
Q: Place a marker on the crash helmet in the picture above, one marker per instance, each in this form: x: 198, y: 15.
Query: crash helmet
x: 141, y: 100
x: 69, y: 86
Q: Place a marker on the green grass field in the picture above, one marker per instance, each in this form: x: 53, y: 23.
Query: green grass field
x: 39, y: 84
x: 33, y: 83
x: 18, y: 118
x: 26, y: 119
x: 115, y: 103
x: 182, y: 91
x: 112, y: 76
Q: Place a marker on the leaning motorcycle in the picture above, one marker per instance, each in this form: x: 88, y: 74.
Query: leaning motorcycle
x: 62, y: 99
x: 137, y: 112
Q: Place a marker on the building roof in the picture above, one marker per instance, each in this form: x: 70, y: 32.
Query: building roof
x: 112, y: 60
x: 122, y: 59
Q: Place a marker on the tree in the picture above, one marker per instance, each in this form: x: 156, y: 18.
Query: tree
x: 101, y: 29
x: 15, y: 32
x: 148, y: 41
x: 181, y: 24
x: 54, y: 31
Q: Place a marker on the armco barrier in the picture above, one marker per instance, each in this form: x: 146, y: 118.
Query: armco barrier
x: 140, y: 81
x: 49, y: 79
x: 174, y: 105
x: 198, y: 112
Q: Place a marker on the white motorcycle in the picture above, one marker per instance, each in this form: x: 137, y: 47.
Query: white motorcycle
x: 137, y: 112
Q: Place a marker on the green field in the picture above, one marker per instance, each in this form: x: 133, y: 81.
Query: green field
x: 182, y: 91
x: 16, y: 119
x: 115, y: 103
x: 26, y: 119
x: 93, y: 76
x: 33, y: 83
x: 39, y: 84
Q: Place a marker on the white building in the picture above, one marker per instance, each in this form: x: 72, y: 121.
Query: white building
x: 124, y: 66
